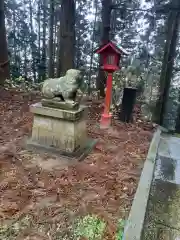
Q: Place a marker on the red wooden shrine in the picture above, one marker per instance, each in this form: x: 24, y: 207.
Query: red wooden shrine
x: 111, y: 55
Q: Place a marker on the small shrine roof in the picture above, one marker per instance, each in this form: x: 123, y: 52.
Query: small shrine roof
x: 115, y: 47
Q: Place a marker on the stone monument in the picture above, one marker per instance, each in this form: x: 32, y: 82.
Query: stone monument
x: 59, y: 119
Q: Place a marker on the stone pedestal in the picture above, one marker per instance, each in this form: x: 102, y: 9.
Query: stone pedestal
x: 59, y: 129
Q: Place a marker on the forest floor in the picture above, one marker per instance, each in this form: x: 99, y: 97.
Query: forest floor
x: 43, y: 198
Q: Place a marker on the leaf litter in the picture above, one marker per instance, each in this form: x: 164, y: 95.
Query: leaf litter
x: 41, y: 199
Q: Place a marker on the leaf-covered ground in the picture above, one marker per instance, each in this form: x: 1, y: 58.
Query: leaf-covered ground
x: 42, y: 196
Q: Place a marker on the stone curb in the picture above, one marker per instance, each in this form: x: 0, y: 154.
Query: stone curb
x: 134, y: 226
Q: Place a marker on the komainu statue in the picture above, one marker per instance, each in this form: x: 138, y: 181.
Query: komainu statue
x: 62, y: 92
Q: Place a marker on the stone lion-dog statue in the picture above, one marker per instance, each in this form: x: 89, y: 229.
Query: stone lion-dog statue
x: 62, y: 92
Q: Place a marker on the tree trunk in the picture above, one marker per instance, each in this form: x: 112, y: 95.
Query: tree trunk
x: 32, y: 40
x: 39, y: 39
x: 92, y: 48
x: 177, y: 127
x: 167, y: 65
x: 66, y: 38
x: 55, y: 37
x: 78, y: 53
x: 58, y: 61
x: 43, y: 60
x: 14, y: 39
x: 106, y: 23
x: 25, y: 62
x: 25, y: 70
x: 51, y: 47
x: 4, y: 63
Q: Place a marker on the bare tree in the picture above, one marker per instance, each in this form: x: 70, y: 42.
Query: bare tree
x: 4, y: 62
x: 32, y: 40
x: 43, y: 57
x: 66, y: 38
x: 51, y: 47
x: 173, y: 23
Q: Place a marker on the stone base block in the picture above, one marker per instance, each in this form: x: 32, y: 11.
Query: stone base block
x: 59, y: 129
x: 79, y: 154
x: 59, y: 105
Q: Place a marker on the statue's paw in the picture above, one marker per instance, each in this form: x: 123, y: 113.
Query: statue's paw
x: 57, y: 99
x: 71, y: 102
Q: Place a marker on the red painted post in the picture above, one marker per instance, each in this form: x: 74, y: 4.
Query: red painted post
x: 111, y: 55
x: 106, y: 116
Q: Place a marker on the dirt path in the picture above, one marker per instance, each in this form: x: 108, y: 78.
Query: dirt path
x: 42, y: 196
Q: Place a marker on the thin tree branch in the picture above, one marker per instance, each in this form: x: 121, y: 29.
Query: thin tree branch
x: 158, y: 9
x: 116, y: 7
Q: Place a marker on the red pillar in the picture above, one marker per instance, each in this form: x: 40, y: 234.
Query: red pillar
x: 106, y: 116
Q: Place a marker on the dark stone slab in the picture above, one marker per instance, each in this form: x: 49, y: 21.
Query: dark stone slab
x: 164, y: 205
x: 169, y: 146
x: 79, y: 154
x: 174, y: 146
x: 167, y: 169
x: 134, y: 226
x: 162, y: 211
x: 159, y: 232
x: 163, y: 148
